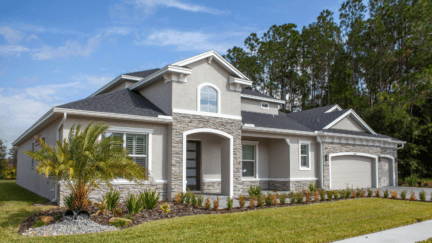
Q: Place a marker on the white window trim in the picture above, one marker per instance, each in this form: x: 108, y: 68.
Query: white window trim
x: 255, y: 143
x: 266, y: 108
x: 142, y: 131
x: 199, y: 98
x: 309, y: 157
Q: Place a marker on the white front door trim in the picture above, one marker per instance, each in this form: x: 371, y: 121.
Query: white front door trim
x: 354, y: 154
x: 393, y: 167
x: 214, y: 131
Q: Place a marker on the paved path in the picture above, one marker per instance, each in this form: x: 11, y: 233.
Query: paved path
x: 410, y: 233
x: 417, y: 190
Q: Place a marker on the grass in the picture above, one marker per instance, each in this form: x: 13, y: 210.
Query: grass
x: 322, y: 222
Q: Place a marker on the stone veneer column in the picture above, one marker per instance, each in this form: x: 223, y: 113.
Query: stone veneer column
x: 330, y: 148
x: 185, y: 122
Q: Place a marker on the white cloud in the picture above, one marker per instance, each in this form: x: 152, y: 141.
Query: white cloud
x: 49, y: 92
x: 192, y: 40
x: 149, y: 6
x: 12, y: 37
x: 95, y: 80
x: 7, y: 50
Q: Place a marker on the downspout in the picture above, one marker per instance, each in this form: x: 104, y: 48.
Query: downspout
x: 321, y: 162
x: 55, y: 184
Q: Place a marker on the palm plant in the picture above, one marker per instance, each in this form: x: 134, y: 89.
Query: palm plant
x: 84, y: 160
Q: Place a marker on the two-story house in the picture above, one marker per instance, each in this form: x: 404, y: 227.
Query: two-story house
x: 194, y: 124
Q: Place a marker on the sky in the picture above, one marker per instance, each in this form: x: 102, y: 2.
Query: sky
x: 56, y: 52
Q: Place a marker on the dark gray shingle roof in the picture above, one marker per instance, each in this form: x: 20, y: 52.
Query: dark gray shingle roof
x: 256, y: 93
x: 123, y: 102
x: 270, y: 121
x: 316, y: 119
x: 143, y: 74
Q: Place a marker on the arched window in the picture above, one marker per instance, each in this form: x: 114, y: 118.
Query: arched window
x: 208, y: 99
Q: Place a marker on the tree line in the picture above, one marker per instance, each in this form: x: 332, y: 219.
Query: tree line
x: 377, y: 60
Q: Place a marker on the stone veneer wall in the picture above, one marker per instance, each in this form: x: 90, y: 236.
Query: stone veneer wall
x: 246, y: 184
x: 301, y: 185
x: 330, y: 148
x: 124, y: 189
x: 211, y: 187
x: 185, y: 122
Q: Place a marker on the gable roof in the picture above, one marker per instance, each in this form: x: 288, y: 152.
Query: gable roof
x: 122, y: 101
x: 143, y: 74
x: 271, y: 121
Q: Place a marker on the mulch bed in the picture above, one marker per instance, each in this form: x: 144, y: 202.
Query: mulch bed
x: 177, y: 210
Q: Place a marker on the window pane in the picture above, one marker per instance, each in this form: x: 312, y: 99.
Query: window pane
x: 191, y: 155
x: 304, y: 161
x: 191, y: 172
x: 191, y: 163
x: 191, y: 146
x: 130, y: 143
x: 140, y: 160
x: 208, y: 100
x: 140, y: 145
x: 248, y: 152
x: 191, y: 181
x: 304, y: 149
x: 248, y: 169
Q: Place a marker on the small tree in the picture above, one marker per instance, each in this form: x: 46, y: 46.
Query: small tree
x: 83, y: 161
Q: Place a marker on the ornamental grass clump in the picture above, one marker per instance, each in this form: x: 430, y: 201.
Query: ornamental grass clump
x: 260, y: 200
x: 230, y: 203
x: 165, y: 208
x: 254, y: 190
x: 422, y: 196
x: 216, y: 203
x: 307, y: 194
x: 393, y: 194
x: 111, y: 199
x: 412, y: 196
x: 377, y: 193
x: 207, y: 204
x: 403, y: 194
x: 242, y: 201
x: 133, y: 204
x: 68, y: 201
x: 282, y: 198
x: 86, y: 159
x: 316, y: 196
x: 150, y: 198
x: 322, y: 194
x: 386, y: 193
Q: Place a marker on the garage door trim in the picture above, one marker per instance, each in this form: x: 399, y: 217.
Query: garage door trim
x: 355, y: 154
x: 393, y: 166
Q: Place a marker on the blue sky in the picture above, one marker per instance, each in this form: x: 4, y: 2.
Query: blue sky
x: 55, y: 52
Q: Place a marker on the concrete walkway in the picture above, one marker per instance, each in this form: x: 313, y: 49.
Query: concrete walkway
x: 410, y: 233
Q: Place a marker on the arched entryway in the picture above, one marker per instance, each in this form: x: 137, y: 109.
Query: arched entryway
x: 226, y: 158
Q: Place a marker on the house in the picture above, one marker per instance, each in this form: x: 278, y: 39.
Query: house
x: 195, y: 124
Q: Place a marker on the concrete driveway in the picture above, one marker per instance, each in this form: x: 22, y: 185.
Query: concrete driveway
x: 417, y: 190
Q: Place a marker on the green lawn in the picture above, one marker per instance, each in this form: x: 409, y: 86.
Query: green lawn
x: 308, y: 223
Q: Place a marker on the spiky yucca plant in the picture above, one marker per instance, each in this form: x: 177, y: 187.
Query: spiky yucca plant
x: 83, y: 161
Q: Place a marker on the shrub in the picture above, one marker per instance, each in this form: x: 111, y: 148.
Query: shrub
x: 177, y: 197
x: 386, y: 193
x: 336, y: 194
x: 252, y: 201
x: 422, y: 196
x: 254, y: 190
x: 242, y: 201
x: 268, y: 199
x: 230, y: 203
x: 293, y: 197
x: 316, y: 196
x: 412, y: 180
x: 194, y: 201
x: 377, y: 193
x: 348, y: 193
x: 412, y: 197
x: 129, y: 217
x: 165, y: 208
x: 188, y: 197
x: 182, y: 197
x: 329, y: 195
x: 38, y: 223
x: 207, y: 204
x: 369, y: 192
x: 282, y: 198
x: 68, y: 201
x: 118, y: 212
x: 111, y: 199
x: 216, y: 203
x: 322, y: 195
x: 149, y: 198
x: 299, y: 197
x: 274, y: 199
x: 313, y: 187
x: 403, y: 194
x: 353, y: 193
x: 119, y: 223
x: 307, y: 194
x: 134, y: 204
x: 102, y: 206
x: 260, y: 200
x: 200, y: 200
x: 358, y: 192
x: 393, y: 194
x: 363, y: 193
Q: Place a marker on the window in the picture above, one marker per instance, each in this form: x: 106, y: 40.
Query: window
x: 264, y: 105
x: 304, y: 147
x: 208, y: 99
x: 249, y: 158
x: 136, y: 144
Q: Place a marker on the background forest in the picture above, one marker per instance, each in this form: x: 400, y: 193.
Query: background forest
x: 377, y: 61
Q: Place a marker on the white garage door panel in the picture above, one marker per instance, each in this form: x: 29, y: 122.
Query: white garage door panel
x: 354, y: 170
x: 385, y: 175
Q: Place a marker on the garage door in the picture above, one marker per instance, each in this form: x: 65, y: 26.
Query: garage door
x: 354, y: 170
x: 385, y: 172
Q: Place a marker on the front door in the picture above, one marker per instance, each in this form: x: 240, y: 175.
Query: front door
x: 193, y: 161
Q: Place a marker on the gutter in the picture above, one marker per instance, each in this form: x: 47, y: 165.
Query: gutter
x: 321, y: 179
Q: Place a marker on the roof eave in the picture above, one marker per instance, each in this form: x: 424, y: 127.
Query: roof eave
x: 114, y: 82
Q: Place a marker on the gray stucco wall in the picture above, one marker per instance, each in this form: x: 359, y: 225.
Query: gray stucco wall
x: 348, y: 124
x: 255, y: 106
x: 160, y: 93
x: 184, y: 95
x: 294, y: 147
x: 27, y: 176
